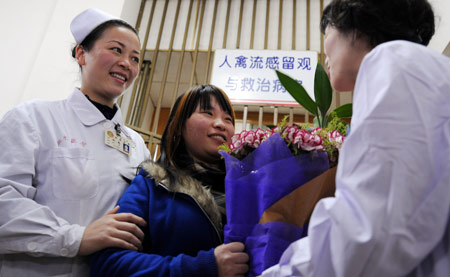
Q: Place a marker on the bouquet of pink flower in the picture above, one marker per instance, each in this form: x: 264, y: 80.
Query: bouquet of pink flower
x: 299, y: 139
x: 274, y: 178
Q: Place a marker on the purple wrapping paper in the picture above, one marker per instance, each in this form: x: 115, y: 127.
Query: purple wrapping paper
x: 252, y: 185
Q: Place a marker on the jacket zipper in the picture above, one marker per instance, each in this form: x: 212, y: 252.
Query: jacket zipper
x: 200, y: 207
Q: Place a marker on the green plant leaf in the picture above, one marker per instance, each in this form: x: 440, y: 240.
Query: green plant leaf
x: 344, y: 111
x: 297, y: 92
x: 322, y: 92
x: 316, y: 121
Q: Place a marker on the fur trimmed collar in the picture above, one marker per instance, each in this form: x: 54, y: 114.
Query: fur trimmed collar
x: 188, y: 185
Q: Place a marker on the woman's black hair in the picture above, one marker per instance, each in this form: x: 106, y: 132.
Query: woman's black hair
x: 93, y: 36
x: 174, y: 156
x: 381, y: 20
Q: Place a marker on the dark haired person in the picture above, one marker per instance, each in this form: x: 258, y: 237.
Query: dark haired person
x: 390, y: 214
x: 62, y: 162
x: 183, y: 233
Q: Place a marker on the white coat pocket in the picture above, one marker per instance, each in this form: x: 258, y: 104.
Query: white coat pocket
x: 74, y: 174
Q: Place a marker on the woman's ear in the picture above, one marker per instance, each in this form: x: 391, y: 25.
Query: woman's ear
x: 80, y: 55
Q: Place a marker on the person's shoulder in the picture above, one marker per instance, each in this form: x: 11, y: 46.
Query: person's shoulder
x: 399, y: 44
x: 393, y: 52
x: 132, y: 132
x: 410, y: 54
x: 150, y: 176
x: 34, y: 104
x: 403, y: 57
x: 143, y: 179
x: 152, y: 170
x: 31, y: 108
x: 135, y: 136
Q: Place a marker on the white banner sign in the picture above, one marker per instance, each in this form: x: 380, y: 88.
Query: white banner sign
x: 248, y: 76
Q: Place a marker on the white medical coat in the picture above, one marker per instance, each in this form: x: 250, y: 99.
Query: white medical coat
x: 57, y: 175
x: 390, y: 214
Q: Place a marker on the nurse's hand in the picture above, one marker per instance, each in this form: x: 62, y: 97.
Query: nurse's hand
x: 231, y: 259
x: 113, y: 230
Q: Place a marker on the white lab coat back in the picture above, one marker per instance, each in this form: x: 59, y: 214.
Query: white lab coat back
x: 390, y: 215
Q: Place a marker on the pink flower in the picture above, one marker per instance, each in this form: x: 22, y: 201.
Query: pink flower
x: 297, y: 138
x: 235, y: 145
x: 268, y: 133
x: 251, y: 139
x: 312, y: 142
x: 308, y: 141
x: 316, y: 130
x: 261, y: 135
x: 290, y: 133
x: 337, y: 138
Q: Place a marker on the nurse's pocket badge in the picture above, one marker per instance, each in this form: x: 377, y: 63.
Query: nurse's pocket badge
x: 118, y: 142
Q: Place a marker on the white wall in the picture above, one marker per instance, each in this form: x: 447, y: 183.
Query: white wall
x: 442, y: 35
x: 36, y: 46
x: 36, y: 42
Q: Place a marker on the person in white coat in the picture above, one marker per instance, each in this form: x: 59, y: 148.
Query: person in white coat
x: 390, y: 214
x: 64, y: 164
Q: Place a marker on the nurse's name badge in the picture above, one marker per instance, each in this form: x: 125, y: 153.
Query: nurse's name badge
x: 118, y: 142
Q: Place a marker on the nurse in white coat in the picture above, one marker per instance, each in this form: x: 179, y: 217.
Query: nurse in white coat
x: 63, y: 164
x: 391, y: 211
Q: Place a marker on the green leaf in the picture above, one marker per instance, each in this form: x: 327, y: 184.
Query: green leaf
x: 297, y: 92
x: 322, y: 92
x: 344, y: 111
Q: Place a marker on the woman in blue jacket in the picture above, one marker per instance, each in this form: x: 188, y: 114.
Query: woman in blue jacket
x: 175, y: 196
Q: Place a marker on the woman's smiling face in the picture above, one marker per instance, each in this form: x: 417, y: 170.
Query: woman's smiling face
x: 110, y: 67
x: 205, y: 130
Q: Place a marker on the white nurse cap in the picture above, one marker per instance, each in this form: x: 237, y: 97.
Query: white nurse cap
x: 84, y: 23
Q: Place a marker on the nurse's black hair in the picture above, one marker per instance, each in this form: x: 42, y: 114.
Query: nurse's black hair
x: 93, y: 36
x: 174, y: 156
x: 381, y: 20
